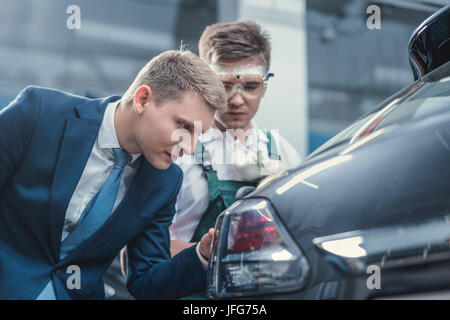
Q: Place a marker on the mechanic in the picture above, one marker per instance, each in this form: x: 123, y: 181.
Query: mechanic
x: 234, y: 152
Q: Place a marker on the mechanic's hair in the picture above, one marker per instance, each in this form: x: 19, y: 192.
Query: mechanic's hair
x: 174, y: 72
x: 234, y: 41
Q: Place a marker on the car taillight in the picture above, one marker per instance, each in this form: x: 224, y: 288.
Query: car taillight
x: 252, y: 254
x: 251, y: 232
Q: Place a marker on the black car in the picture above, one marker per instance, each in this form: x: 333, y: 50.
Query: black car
x: 365, y: 216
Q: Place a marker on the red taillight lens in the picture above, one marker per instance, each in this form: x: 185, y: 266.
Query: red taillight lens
x: 250, y: 232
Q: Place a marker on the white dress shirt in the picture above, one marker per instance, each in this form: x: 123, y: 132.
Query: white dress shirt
x: 193, y: 198
x: 98, y: 167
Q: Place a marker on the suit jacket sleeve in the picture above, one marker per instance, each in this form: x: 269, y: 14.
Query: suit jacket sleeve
x: 17, y: 124
x: 152, y: 273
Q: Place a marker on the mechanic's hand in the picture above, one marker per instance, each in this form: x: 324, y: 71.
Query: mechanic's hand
x: 205, y: 244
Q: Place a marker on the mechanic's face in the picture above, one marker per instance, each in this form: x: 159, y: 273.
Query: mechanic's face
x: 240, y: 109
x: 156, y: 124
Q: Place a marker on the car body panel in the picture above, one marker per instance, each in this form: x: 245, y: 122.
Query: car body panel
x: 389, y: 170
x: 395, y: 175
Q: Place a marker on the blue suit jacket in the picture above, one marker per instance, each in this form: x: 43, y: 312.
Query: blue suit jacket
x: 46, y: 137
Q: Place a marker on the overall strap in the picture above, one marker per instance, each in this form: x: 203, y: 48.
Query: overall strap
x: 272, y: 146
x: 202, y: 156
x: 221, y: 193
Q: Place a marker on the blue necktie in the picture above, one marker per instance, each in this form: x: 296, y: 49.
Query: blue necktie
x: 99, y: 209
x: 94, y: 215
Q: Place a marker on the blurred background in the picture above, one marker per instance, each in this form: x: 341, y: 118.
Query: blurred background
x: 330, y: 68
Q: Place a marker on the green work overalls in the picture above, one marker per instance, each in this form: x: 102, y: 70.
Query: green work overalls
x: 221, y: 193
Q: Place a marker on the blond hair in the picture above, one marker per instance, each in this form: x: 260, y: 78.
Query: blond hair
x: 234, y: 41
x: 174, y: 72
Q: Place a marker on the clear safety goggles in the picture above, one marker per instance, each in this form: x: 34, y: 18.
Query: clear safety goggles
x: 250, y: 81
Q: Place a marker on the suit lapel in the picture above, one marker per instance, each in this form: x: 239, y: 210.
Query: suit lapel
x: 76, y: 145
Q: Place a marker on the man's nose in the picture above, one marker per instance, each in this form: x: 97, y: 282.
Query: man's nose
x: 236, y: 100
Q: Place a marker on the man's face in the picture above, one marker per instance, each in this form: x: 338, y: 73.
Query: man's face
x: 155, y: 127
x: 240, y: 109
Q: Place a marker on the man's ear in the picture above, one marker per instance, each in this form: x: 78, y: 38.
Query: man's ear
x: 142, y: 96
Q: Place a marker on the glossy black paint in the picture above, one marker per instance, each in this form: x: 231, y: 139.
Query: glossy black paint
x: 429, y: 46
x: 389, y: 168
x: 400, y: 176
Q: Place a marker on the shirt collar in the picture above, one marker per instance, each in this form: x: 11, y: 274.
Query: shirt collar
x: 107, y: 136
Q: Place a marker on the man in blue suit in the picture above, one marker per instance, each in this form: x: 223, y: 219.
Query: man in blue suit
x: 82, y: 178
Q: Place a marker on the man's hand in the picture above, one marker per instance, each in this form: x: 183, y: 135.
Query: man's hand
x: 205, y: 244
